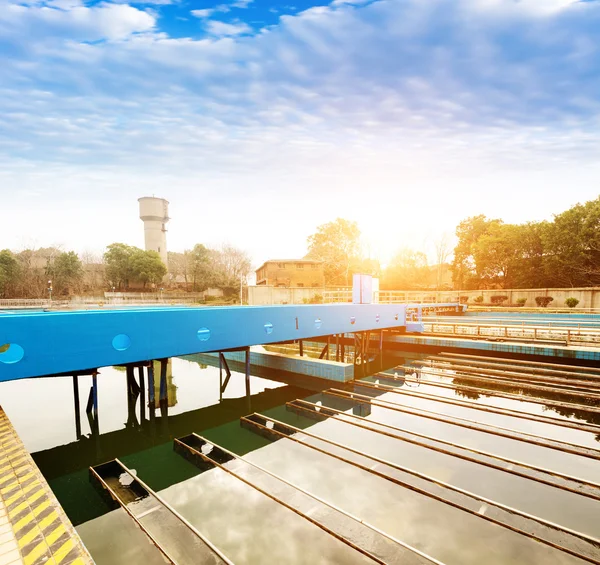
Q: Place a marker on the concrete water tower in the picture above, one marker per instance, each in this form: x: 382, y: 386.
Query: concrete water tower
x: 154, y: 212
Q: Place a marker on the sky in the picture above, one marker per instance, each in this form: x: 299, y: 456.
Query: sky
x: 259, y: 120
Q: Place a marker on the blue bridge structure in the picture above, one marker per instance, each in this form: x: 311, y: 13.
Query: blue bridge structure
x: 48, y: 343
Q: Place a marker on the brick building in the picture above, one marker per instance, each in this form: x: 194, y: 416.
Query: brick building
x: 291, y: 272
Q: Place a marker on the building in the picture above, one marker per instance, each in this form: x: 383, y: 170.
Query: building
x: 154, y: 212
x: 291, y: 273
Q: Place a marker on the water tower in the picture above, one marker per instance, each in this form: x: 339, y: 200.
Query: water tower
x: 154, y: 212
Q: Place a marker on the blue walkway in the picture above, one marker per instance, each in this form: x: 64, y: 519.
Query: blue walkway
x: 46, y: 343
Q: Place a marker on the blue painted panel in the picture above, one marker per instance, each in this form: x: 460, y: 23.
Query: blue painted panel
x: 57, y: 342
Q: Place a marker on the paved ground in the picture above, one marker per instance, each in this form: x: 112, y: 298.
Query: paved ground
x: 33, y: 527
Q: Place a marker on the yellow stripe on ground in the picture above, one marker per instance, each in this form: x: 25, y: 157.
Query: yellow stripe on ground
x: 26, y: 519
x: 64, y: 550
x: 48, y: 520
x: 44, y: 546
x: 55, y: 533
x: 29, y: 536
x: 35, y: 553
x: 15, y: 483
x: 21, y: 493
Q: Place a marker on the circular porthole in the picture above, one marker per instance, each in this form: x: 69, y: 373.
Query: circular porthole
x: 121, y: 342
x: 11, y: 353
x: 203, y: 334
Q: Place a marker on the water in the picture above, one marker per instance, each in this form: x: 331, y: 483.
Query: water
x: 251, y: 528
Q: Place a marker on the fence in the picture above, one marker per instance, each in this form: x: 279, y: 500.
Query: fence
x: 589, y: 298
x: 561, y: 334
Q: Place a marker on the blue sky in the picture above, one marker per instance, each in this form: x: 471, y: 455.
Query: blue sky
x: 260, y: 120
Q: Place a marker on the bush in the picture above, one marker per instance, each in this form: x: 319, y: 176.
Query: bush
x: 521, y: 301
x: 498, y: 299
x: 571, y: 302
x: 478, y: 299
x: 543, y: 301
x: 463, y: 299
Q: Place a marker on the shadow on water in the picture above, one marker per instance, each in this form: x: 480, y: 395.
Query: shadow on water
x: 145, y: 439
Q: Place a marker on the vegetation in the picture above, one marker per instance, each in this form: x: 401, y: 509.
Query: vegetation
x: 200, y: 268
x: 571, y: 302
x: 543, y: 301
x: 563, y: 252
x: 498, y: 299
x: 126, y: 264
x: 521, y: 301
x: 337, y: 244
x: 478, y: 299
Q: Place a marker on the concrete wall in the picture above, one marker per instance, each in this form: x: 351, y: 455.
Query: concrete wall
x: 292, y: 273
x: 588, y: 297
x: 265, y: 295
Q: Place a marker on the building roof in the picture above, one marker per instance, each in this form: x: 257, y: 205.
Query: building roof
x: 308, y: 261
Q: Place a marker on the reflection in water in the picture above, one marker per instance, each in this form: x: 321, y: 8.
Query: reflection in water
x: 249, y: 527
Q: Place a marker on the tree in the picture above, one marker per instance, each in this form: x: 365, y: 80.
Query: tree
x: 66, y: 272
x: 178, y: 266
x: 119, y: 268
x: 201, y: 266
x: 468, y: 232
x: 442, y: 252
x: 147, y: 267
x: 337, y: 244
x: 408, y: 270
x: 572, y: 246
x: 9, y: 273
x: 496, y: 254
x: 231, y: 265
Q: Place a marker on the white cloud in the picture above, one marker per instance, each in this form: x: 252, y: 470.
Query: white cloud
x: 412, y: 101
x: 224, y: 29
x: 202, y: 13
x: 72, y: 20
x: 242, y: 3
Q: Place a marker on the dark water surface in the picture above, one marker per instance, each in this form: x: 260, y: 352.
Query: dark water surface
x: 251, y: 528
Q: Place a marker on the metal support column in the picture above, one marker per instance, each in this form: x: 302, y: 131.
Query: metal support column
x: 301, y: 348
x: 223, y: 363
x: 163, y: 379
x: 247, y: 371
x: 151, y: 394
x: 248, y: 401
x: 337, y: 347
x: 77, y: 409
x: 142, y: 395
x: 328, y: 342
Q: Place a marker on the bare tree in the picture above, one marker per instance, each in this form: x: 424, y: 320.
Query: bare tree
x: 443, y: 250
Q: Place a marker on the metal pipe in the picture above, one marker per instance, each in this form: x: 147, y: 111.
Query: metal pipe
x: 133, y: 517
x: 170, y: 509
x: 470, y: 367
x: 323, y: 527
x: 500, y: 366
x: 498, y: 410
x: 458, y: 374
x: 499, y: 508
x: 322, y: 501
x: 77, y: 407
x: 488, y: 428
x: 518, y: 381
x: 491, y: 392
x: 592, y: 487
x: 521, y: 362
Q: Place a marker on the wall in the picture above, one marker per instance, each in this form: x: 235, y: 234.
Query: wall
x: 265, y: 295
x: 291, y: 275
x: 588, y: 297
